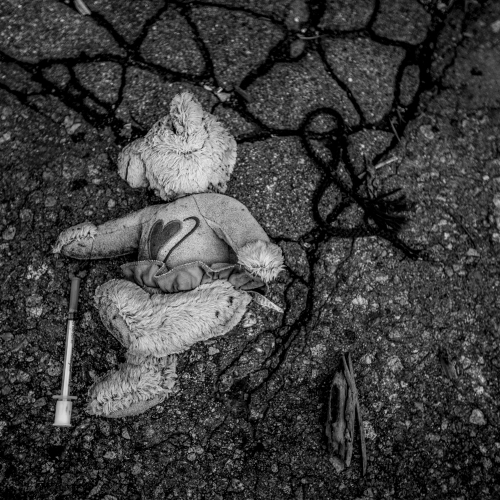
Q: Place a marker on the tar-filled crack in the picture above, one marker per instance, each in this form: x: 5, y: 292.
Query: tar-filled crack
x: 384, y: 213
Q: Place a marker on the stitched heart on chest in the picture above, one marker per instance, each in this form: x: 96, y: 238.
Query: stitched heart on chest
x: 161, y: 234
x: 165, y: 238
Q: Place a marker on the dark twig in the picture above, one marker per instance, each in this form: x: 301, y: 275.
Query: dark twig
x: 358, y: 414
x: 343, y: 408
x: 350, y: 415
x: 336, y: 425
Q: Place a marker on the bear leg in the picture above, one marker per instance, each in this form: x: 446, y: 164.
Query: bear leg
x: 163, y: 324
x: 117, y: 301
x: 172, y: 323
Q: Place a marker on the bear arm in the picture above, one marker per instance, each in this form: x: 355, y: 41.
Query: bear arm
x: 111, y: 239
x: 232, y: 222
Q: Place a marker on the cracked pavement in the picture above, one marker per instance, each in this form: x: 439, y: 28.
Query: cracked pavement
x: 369, y: 150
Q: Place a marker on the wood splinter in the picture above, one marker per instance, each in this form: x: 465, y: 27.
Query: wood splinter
x: 343, y: 408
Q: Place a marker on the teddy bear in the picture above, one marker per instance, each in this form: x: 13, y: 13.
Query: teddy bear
x: 201, y: 257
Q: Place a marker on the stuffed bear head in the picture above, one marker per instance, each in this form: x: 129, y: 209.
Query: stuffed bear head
x: 186, y: 152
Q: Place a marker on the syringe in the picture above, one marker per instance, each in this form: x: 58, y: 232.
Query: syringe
x: 65, y: 401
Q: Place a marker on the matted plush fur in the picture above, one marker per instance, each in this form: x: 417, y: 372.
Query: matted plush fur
x: 82, y: 231
x: 262, y: 259
x: 186, y: 152
x: 133, y: 388
x: 154, y: 328
x: 162, y: 324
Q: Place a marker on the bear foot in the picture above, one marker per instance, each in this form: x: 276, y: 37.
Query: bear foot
x: 134, y: 388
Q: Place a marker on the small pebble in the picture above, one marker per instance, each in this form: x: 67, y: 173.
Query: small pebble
x: 249, y: 319
x: 370, y: 433
x: 223, y: 96
x: 26, y: 215
x: 6, y: 112
x: 359, y: 301
x: 367, y: 359
x: 477, y: 417
x: 496, y: 201
x: 394, y: 364
x: 297, y: 47
x: 395, y: 335
x: 5, y: 137
x: 472, y: 253
x: 54, y: 370
x: 68, y: 479
x: 237, y: 485
x: 9, y: 233
x: 23, y: 377
x: 427, y: 132
x: 105, y: 428
x: 40, y: 402
x: 50, y: 201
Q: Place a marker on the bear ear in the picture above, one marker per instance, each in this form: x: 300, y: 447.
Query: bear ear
x: 131, y: 167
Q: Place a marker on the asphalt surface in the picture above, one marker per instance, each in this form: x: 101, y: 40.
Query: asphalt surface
x: 369, y: 150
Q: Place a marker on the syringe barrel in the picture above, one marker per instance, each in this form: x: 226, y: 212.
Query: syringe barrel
x: 73, y: 297
x: 68, y: 355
